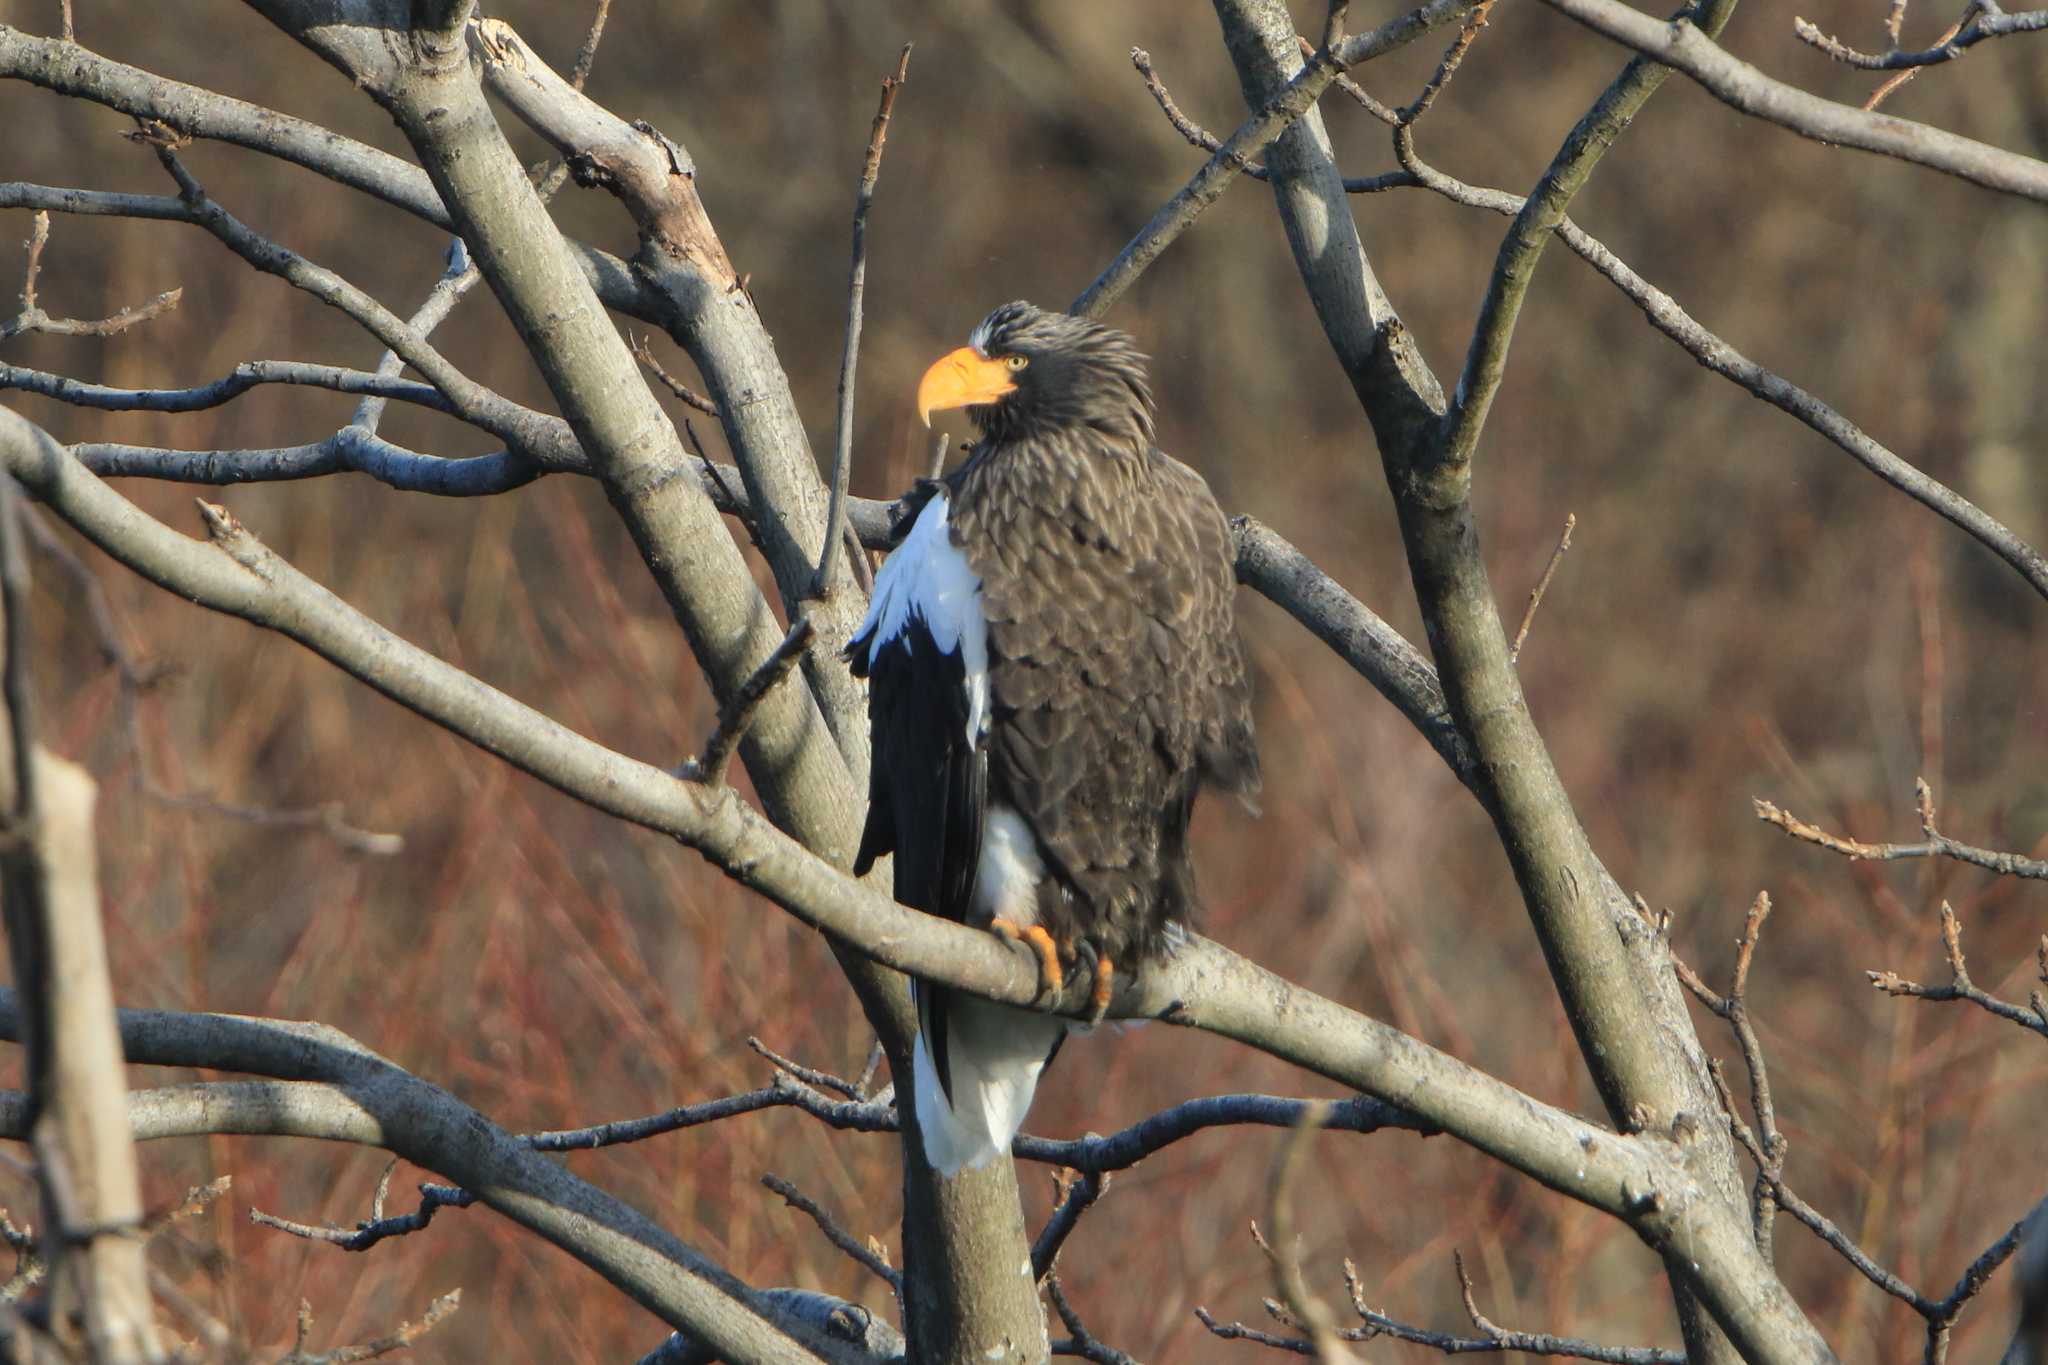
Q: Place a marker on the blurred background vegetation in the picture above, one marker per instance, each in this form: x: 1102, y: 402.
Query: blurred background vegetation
x: 1743, y: 612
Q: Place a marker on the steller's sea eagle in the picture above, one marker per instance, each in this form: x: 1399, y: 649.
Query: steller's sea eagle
x: 1053, y: 674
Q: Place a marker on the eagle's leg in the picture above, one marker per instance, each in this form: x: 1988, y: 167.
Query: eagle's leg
x: 1050, y: 975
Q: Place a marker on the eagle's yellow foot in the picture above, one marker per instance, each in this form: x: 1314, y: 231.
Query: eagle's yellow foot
x: 1051, y: 977
x: 1105, y: 986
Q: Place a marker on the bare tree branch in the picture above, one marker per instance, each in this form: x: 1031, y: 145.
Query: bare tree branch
x: 1667, y: 316
x: 406, y: 1334
x: 245, y: 376
x: 713, y: 318
x: 1077, y: 1194
x: 1628, y: 1014
x: 836, y: 1235
x: 67, y: 69
x: 1961, y: 987
x: 1082, y: 1344
x: 1521, y: 249
x: 32, y: 317
x: 1983, y: 19
x: 1564, y: 542
x: 1741, y: 86
x: 1271, y: 118
x: 1936, y: 845
x: 849, y: 357
x: 1766, y: 1146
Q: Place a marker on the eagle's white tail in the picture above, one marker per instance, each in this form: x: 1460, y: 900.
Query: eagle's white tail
x: 993, y: 1054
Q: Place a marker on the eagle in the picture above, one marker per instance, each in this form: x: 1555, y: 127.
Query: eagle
x: 1054, y: 673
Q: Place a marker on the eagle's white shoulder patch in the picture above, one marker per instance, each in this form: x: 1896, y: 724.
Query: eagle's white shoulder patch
x: 927, y: 580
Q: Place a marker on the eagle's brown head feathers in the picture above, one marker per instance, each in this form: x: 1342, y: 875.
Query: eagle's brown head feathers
x: 1026, y: 371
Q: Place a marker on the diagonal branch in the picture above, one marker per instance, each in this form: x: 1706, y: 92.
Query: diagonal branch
x: 1936, y: 845
x: 67, y: 69
x: 1741, y: 86
x: 1641, y: 1180
x: 857, y: 274
x: 1514, y: 267
x: 1271, y: 118
x: 1628, y: 1015
x: 710, y: 315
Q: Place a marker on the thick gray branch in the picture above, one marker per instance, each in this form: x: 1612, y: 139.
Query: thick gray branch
x: 433, y: 93
x: 712, y: 317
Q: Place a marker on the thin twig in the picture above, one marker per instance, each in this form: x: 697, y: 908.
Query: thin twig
x: 1962, y: 988
x: 1199, y: 136
x: 433, y: 1198
x: 644, y: 353
x: 868, y: 1070
x: 1448, y: 67
x: 1564, y: 542
x: 783, y: 1092
x: 1079, y: 1193
x: 1936, y: 845
x: 809, y: 1076
x: 196, y: 1200
x: 406, y: 1335
x: 586, y: 56
x: 32, y: 318
x: 1307, y: 1309
x: 1766, y: 1146
x: 1378, y: 1324
x: 736, y: 716
x: 1081, y: 1344
x: 849, y: 355
x: 1981, y: 19
x: 836, y: 1235
x: 459, y: 275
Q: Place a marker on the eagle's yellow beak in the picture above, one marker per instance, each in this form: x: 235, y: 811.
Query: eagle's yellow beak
x: 961, y: 379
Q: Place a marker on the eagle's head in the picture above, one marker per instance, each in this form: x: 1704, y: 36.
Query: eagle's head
x: 1025, y: 371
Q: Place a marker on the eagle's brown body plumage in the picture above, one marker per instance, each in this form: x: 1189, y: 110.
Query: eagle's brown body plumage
x: 1068, y: 678
x: 1117, y: 682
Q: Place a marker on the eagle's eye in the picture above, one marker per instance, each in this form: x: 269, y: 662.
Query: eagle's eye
x: 1016, y: 362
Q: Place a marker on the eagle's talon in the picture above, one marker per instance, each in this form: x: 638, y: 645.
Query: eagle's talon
x: 1105, y: 987
x: 1051, y: 977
